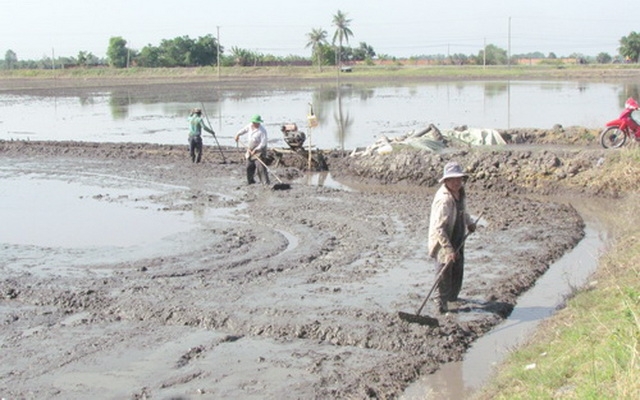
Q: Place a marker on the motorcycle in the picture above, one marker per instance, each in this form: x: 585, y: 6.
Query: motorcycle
x: 625, y: 127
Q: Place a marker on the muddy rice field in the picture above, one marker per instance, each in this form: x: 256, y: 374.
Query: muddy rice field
x: 274, y: 293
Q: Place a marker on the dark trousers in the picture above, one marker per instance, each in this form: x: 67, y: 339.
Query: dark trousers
x: 254, y: 166
x: 451, y: 281
x: 195, y: 148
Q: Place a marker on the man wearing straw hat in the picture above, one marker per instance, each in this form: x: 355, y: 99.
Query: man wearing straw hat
x: 448, y: 223
x: 256, y: 149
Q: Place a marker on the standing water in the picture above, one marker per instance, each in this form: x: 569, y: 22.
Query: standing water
x: 349, y: 116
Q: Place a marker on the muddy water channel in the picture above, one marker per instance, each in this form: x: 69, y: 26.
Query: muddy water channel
x: 461, y: 379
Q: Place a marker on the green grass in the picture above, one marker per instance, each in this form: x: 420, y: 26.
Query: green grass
x: 590, y: 349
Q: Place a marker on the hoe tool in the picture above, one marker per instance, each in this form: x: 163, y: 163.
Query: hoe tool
x: 278, y: 186
x: 425, y: 319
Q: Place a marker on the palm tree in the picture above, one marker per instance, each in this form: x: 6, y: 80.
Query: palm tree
x: 317, y: 38
x: 343, y: 32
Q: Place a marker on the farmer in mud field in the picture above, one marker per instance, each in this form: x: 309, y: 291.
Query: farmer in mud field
x: 256, y: 150
x: 196, y: 124
x: 448, y: 223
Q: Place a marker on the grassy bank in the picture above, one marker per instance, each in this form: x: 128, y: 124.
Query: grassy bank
x: 278, y: 77
x: 591, y: 348
x: 396, y: 70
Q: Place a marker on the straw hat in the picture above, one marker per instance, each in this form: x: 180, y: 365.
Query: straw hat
x: 452, y: 170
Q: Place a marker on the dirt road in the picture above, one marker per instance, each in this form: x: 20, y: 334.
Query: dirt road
x: 275, y: 294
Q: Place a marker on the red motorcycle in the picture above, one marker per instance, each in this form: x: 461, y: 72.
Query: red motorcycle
x: 625, y: 127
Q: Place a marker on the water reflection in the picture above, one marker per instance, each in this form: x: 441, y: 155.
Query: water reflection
x: 350, y: 114
x: 323, y: 179
x: 86, y: 99
x: 119, y: 103
x: 631, y: 90
x: 343, y: 121
x: 493, y: 89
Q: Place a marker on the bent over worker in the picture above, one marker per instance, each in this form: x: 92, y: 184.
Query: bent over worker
x: 256, y: 149
x: 448, y: 223
x: 196, y: 124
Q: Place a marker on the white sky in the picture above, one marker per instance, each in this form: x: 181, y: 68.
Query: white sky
x: 402, y: 28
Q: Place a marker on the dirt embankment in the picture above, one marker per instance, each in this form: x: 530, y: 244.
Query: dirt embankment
x: 292, y: 294
x: 535, y: 161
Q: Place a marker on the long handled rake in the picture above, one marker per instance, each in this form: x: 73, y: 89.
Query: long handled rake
x: 224, y: 160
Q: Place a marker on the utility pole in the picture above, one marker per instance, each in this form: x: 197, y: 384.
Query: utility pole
x: 509, y: 51
x: 484, y: 55
x: 218, y: 52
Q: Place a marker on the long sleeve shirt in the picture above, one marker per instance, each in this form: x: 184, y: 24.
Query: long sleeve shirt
x: 257, y: 137
x: 442, y: 222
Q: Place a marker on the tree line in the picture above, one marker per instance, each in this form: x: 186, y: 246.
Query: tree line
x: 184, y: 51
x: 206, y: 51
